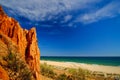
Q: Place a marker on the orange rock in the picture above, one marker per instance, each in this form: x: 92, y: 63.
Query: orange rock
x: 32, y: 56
x: 26, y: 41
x: 3, y: 74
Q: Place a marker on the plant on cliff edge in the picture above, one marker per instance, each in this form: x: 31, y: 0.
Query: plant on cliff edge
x: 18, y: 69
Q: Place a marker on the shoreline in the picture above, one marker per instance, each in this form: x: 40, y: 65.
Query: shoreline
x: 90, y: 67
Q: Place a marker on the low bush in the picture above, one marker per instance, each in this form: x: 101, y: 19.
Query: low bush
x: 78, y: 74
x: 17, y: 68
x: 47, y: 70
x: 62, y: 77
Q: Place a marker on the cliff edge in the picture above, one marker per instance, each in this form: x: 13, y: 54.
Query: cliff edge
x: 25, y: 41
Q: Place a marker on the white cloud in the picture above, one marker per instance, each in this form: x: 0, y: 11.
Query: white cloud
x: 66, y: 18
x: 41, y: 9
x: 110, y: 10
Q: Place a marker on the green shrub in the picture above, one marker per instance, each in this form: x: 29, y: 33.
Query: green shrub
x: 78, y: 74
x: 47, y: 70
x: 18, y: 68
x: 25, y: 75
x: 12, y: 61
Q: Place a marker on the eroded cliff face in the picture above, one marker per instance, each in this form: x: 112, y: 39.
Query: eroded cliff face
x: 3, y: 74
x: 26, y: 41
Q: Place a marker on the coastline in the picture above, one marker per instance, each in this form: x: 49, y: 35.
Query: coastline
x: 90, y: 67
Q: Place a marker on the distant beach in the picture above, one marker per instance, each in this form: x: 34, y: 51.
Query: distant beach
x: 90, y: 67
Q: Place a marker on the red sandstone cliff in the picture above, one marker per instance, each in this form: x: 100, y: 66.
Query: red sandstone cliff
x: 26, y: 41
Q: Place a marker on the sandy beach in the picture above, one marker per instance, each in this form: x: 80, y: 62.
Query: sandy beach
x: 93, y: 68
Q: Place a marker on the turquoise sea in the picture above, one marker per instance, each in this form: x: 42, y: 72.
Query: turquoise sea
x: 109, y: 61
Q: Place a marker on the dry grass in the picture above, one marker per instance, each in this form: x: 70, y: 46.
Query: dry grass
x: 17, y: 69
x: 47, y: 70
x: 72, y: 74
x: 45, y: 78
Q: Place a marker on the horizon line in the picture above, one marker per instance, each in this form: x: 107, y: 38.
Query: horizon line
x: 79, y: 56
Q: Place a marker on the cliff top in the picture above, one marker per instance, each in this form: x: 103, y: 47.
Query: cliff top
x: 2, y: 11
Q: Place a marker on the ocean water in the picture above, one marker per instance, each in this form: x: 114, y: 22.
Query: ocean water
x: 109, y: 61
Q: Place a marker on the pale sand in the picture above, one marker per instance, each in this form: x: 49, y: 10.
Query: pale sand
x: 98, y: 68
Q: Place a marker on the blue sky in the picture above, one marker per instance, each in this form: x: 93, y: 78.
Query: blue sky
x: 71, y: 27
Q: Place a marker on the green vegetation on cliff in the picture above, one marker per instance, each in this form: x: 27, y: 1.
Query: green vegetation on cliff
x: 16, y: 67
